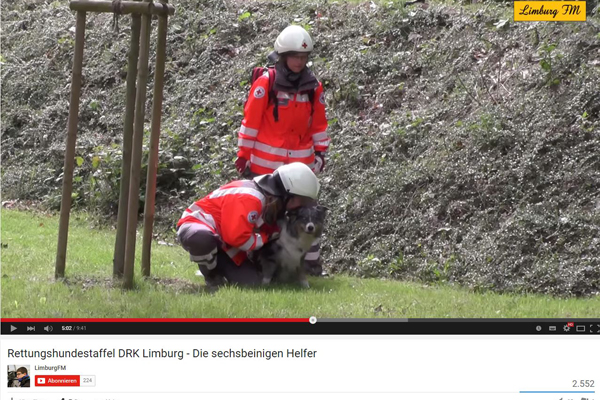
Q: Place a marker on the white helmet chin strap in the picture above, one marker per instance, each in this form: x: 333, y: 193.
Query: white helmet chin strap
x: 273, y: 57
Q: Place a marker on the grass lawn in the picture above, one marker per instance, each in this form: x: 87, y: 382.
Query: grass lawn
x: 29, y: 290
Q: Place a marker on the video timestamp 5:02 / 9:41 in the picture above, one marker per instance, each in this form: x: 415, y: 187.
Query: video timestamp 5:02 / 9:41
x: 73, y: 328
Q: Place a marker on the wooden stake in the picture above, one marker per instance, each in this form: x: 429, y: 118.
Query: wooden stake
x: 65, y: 205
x: 159, y: 79
x: 134, y: 51
x: 126, y: 7
x: 136, y: 157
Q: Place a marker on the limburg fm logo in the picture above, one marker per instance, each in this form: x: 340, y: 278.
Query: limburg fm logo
x: 549, y: 10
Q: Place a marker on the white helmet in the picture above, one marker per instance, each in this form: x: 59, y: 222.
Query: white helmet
x: 294, y: 38
x: 295, y: 178
x: 298, y: 178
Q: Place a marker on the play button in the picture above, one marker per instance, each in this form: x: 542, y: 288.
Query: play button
x: 13, y: 328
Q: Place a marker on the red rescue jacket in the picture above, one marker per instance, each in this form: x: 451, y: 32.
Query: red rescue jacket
x: 233, y: 212
x: 294, y: 138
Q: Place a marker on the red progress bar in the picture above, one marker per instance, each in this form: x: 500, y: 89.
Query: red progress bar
x: 41, y: 320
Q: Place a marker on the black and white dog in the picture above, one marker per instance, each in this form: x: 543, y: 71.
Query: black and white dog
x: 282, y: 259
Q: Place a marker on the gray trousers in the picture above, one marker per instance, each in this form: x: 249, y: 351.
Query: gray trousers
x: 205, y: 248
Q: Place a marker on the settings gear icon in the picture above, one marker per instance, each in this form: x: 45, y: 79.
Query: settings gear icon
x: 566, y: 328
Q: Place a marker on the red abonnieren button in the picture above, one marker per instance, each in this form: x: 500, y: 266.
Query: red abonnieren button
x: 57, y: 380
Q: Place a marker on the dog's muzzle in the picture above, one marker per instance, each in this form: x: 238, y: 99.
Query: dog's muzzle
x: 310, y: 227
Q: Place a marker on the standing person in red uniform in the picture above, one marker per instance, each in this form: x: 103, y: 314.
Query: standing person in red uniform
x: 286, y: 123
x: 219, y: 229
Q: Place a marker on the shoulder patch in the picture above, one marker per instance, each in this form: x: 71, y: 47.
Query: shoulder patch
x: 253, y: 217
x: 322, y: 98
x: 259, y: 92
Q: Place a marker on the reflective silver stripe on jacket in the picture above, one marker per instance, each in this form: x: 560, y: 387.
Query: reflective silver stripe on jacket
x: 232, y: 252
x: 284, y: 95
x: 254, y: 240
x: 246, y: 143
x: 239, y: 190
x: 271, y: 164
x: 265, y: 163
x: 248, y: 243
x: 279, y: 151
x: 195, y: 211
x: 319, y: 136
x: 248, y: 131
x: 323, y: 143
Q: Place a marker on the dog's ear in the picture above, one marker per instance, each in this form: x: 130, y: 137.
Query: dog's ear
x: 293, y: 213
x: 322, y: 209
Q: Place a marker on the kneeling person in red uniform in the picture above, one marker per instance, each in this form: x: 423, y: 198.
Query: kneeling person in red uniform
x: 220, y: 229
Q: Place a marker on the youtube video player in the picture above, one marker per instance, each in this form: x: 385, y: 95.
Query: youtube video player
x: 300, y: 200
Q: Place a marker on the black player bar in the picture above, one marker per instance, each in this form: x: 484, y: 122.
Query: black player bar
x: 310, y: 326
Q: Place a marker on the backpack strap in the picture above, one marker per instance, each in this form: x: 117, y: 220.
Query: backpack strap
x: 311, y: 98
x: 272, y: 94
x: 257, y: 72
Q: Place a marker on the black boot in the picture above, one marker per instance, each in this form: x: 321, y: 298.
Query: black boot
x: 314, y: 267
x: 212, y: 277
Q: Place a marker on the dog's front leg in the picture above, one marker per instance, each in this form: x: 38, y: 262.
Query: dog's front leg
x: 268, y: 270
x: 302, y: 280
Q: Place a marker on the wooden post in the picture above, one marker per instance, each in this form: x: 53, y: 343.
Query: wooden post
x: 159, y: 78
x: 136, y: 157
x: 134, y: 51
x: 65, y: 205
x: 126, y: 7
